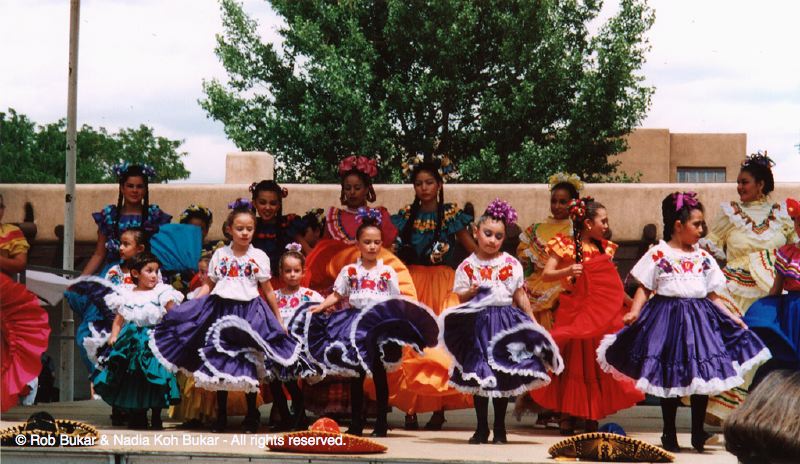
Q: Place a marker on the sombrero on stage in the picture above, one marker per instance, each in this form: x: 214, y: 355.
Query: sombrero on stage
x: 608, y: 447
x: 324, y: 437
x: 41, y: 430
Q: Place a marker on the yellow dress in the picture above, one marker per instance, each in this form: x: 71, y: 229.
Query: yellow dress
x: 12, y: 241
x: 532, y: 253
x: 746, y: 236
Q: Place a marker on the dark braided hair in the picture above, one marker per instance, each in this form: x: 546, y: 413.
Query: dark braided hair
x: 670, y: 214
x: 134, y: 170
x: 432, y: 169
x: 579, y: 211
x: 270, y: 186
x: 371, y: 196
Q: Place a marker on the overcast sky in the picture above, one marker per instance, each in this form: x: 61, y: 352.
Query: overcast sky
x: 718, y: 66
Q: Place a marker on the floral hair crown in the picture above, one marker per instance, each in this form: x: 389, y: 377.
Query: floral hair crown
x: 564, y: 177
x: 372, y: 214
x: 685, y: 200
x: 793, y: 207
x: 241, y: 204
x: 502, y: 211
x: 760, y: 159
x: 198, y: 209
x: 252, y: 189
x: 444, y: 166
x: 577, y: 208
x: 294, y: 246
x: 318, y: 213
x: 368, y: 166
x: 120, y: 169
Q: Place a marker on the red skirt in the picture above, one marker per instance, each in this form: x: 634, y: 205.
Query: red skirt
x: 591, y: 310
x: 24, y: 334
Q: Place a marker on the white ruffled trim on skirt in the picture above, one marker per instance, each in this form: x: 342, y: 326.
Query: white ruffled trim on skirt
x: 537, y: 351
x: 698, y: 386
x: 94, y: 342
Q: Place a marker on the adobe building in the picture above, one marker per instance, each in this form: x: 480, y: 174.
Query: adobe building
x: 663, y: 157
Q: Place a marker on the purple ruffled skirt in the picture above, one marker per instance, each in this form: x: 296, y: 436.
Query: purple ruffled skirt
x: 224, y: 344
x: 498, y: 351
x: 680, y: 347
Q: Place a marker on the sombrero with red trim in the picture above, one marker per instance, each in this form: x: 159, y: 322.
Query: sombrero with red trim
x: 324, y: 437
x: 608, y: 447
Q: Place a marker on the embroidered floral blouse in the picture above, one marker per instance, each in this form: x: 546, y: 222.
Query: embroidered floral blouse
x: 288, y: 302
x: 503, y: 274
x: 237, y: 277
x: 676, y: 273
x: 365, y: 287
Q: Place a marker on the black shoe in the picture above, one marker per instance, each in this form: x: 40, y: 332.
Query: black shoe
x: 436, y: 421
x: 282, y: 426
x: 137, y: 420
x: 300, y: 421
x: 381, y: 430
x: 118, y: 417
x: 699, y: 440
x: 250, y: 424
x: 191, y: 424
x: 499, y: 436
x: 670, y: 443
x: 480, y: 436
x: 355, y: 429
x: 220, y: 425
x: 411, y: 423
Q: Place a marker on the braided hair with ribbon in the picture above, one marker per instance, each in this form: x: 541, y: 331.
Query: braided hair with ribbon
x: 678, y: 206
x: 580, y: 210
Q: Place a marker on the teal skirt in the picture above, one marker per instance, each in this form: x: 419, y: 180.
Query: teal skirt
x: 131, y: 377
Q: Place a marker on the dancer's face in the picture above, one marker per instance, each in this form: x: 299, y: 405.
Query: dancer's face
x: 559, y: 204
x: 597, y: 227
x: 241, y: 230
x: 291, y: 271
x: 268, y: 205
x: 426, y: 187
x: 148, y: 276
x: 128, y: 247
x: 355, y: 192
x: 748, y: 188
x: 133, y: 190
x: 490, y: 236
x: 369, y: 243
x: 691, y: 231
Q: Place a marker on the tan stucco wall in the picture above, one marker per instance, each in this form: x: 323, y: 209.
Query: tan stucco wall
x: 242, y: 167
x: 657, y: 154
x: 707, y: 151
x: 630, y: 206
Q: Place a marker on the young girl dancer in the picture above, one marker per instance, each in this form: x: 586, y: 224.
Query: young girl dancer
x: 367, y: 337
x: 776, y: 319
x: 429, y: 229
x: 292, y: 300
x: 590, y: 307
x: 498, y: 349
x: 131, y: 377
x: 682, y: 341
x: 225, y: 339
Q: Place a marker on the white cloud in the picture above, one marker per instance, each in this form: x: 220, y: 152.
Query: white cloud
x: 718, y: 67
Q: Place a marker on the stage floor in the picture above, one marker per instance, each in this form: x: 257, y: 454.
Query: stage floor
x: 527, y: 444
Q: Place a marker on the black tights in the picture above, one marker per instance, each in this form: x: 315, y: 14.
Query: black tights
x: 669, y: 411
x: 482, y: 411
x: 279, y: 399
x: 381, y: 394
x: 222, y: 404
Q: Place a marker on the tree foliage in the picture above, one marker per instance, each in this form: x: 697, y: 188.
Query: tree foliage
x: 37, y: 154
x: 511, y: 90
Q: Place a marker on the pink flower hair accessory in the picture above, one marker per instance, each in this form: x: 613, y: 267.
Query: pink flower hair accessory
x: 362, y: 164
x: 294, y: 246
x: 502, y: 211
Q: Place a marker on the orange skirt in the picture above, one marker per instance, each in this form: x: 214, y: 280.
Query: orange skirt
x: 421, y: 383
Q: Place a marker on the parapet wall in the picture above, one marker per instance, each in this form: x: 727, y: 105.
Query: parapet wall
x: 630, y: 206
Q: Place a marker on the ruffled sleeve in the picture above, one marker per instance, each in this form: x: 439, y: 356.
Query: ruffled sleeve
x: 116, y: 299
x: 787, y: 261
x: 561, y: 246
x: 13, y: 240
x: 389, y: 231
x: 167, y: 293
x: 610, y: 247
x: 455, y: 219
x: 213, y: 265
x: 517, y: 278
x: 715, y: 241
x: 262, y: 271
x: 105, y: 220
x: 464, y: 275
x: 157, y: 217
x: 646, y: 269
x: 394, y: 283
x: 400, y: 219
x: 342, y: 283
x: 715, y: 279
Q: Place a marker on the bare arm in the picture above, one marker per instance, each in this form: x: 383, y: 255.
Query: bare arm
x: 718, y: 303
x: 206, y: 288
x: 522, y: 302
x: 97, y: 257
x: 465, y: 239
x: 552, y: 273
x: 777, y: 286
x: 116, y: 326
x: 329, y: 302
x: 467, y: 294
x: 639, y: 299
x: 13, y: 264
x: 269, y: 295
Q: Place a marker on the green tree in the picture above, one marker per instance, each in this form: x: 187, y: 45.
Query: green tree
x: 511, y: 90
x: 37, y: 154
